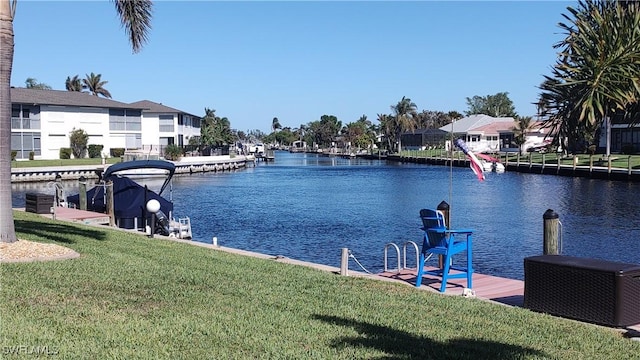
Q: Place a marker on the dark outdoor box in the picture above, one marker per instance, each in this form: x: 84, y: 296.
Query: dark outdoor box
x: 38, y: 203
x: 591, y: 290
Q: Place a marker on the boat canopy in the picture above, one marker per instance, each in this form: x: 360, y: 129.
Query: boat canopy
x: 143, y: 164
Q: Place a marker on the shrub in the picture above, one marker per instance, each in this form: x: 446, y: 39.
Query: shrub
x: 172, y: 152
x: 65, y: 153
x: 116, y: 152
x: 14, y: 153
x: 31, y: 155
x: 95, y: 150
x: 78, y: 140
x: 628, y: 149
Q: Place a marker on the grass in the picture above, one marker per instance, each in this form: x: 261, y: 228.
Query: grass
x: 62, y: 162
x: 129, y: 296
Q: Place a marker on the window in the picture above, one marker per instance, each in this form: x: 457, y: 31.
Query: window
x: 166, y: 123
x: 24, y: 143
x: 125, y: 120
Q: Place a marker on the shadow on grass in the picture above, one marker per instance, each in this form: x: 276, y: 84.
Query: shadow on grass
x: 400, y: 344
x: 58, y: 232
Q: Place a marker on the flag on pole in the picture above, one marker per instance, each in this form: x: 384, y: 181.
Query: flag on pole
x: 475, y: 164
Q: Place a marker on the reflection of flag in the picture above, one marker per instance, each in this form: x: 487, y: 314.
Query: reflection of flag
x: 475, y: 164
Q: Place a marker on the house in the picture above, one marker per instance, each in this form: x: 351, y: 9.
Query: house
x: 483, y: 133
x: 41, y: 121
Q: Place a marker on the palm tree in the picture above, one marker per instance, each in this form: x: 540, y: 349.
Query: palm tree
x: 404, y: 119
x: 522, y: 125
x: 74, y: 84
x: 275, y: 124
x: 32, y: 83
x: 95, y: 85
x: 135, y: 17
x: 599, y: 62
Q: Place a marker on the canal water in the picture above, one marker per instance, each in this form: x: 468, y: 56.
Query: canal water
x: 309, y: 207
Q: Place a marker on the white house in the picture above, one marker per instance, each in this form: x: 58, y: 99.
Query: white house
x: 41, y: 121
x: 165, y: 125
x: 483, y: 133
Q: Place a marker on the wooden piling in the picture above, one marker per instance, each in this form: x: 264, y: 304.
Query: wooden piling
x: 344, y: 262
x: 551, y: 232
x: 83, y: 193
x: 445, y: 208
x: 109, y: 202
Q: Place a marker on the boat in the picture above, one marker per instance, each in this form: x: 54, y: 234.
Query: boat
x: 130, y: 199
x: 490, y: 164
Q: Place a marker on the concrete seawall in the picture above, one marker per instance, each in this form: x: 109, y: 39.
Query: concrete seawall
x: 186, y: 165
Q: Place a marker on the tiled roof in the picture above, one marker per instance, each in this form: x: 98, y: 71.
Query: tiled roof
x: 494, y: 128
x: 65, y: 98
x: 472, y: 122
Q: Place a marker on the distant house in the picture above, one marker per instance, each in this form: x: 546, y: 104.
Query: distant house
x: 41, y: 121
x: 483, y: 133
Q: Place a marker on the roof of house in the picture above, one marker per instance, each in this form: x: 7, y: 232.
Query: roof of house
x: 154, y: 107
x: 494, y: 128
x: 65, y: 98
x: 471, y: 122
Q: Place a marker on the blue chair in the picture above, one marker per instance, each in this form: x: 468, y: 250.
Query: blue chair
x: 439, y: 240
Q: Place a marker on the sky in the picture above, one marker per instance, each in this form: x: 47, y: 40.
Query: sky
x: 252, y: 61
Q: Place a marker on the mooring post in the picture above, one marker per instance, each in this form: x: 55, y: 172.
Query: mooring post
x: 109, y: 203
x: 82, y: 195
x: 551, y: 226
x: 444, y: 207
x: 344, y: 263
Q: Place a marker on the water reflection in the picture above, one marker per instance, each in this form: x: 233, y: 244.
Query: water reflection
x: 308, y: 207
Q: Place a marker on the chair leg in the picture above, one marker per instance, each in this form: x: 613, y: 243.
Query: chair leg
x: 469, y: 263
x: 420, y: 271
x: 445, y: 273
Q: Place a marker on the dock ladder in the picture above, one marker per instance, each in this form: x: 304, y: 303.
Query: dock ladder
x: 403, y: 264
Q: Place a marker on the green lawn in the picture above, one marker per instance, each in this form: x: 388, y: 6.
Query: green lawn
x: 62, y: 162
x: 129, y: 296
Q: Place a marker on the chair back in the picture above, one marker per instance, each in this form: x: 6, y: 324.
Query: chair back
x: 433, y: 219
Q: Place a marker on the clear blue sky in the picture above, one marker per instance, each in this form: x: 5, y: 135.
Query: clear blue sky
x: 253, y: 61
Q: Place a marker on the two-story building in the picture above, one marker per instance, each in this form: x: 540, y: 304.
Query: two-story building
x: 41, y: 121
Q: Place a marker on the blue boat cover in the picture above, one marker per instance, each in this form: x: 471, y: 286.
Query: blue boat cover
x: 129, y: 199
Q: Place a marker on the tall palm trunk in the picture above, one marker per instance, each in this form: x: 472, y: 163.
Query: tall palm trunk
x: 7, y: 229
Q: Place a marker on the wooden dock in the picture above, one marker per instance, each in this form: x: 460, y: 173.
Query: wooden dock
x: 80, y: 216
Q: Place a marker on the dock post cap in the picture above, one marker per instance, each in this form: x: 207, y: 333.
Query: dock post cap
x: 550, y: 214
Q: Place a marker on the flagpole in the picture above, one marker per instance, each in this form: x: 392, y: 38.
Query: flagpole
x: 451, y: 174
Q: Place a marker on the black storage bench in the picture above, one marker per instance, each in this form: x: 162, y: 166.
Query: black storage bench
x: 38, y: 203
x: 591, y: 290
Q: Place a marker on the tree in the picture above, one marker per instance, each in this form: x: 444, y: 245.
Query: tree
x: 78, y: 140
x: 498, y: 105
x: 275, y: 124
x: 522, y: 125
x: 404, y: 118
x: 74, y: 84
x: 32, y: 83
x: 597, y: 74
x: 214, y: 130
x: 135, y: 16
x: 95, y: 85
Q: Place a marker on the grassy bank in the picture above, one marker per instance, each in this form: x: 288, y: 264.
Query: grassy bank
x: 129, y: 296
x: 62, y: 162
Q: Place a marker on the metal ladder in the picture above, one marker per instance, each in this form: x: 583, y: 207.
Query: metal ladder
x: 403, y: 264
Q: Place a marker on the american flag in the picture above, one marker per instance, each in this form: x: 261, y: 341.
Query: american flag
x: 475, y: 164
